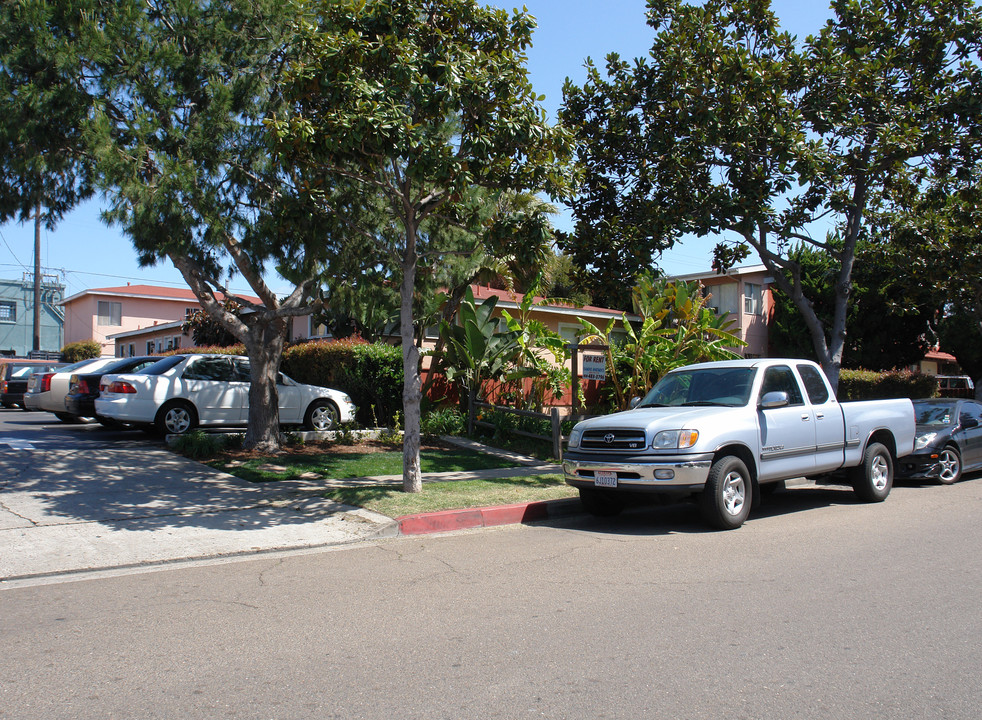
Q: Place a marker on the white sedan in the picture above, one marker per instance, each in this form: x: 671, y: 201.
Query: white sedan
x: 50, y: 397
x: 180, y: 392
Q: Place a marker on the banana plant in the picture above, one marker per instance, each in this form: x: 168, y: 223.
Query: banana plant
x: 479, y: 347
x: 676, y: 329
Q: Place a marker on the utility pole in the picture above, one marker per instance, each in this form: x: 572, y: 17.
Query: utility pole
x: 37, y: 278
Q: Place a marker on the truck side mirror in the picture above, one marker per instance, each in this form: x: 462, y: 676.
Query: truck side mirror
x: 774, y: 400
x: 634, y: 402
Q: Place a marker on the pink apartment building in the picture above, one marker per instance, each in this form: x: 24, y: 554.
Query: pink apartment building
x: 101, y: 314
x: 745, y: 293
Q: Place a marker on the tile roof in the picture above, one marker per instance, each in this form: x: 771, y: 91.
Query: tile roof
x: 151, y: 291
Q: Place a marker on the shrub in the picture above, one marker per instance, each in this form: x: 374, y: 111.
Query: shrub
x: 199, y: 445
x: 447, y: 421
x: 81, y: 350
x: 370, y: 373
x: 869, y: 385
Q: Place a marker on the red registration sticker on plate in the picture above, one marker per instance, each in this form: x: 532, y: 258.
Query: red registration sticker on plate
x: 605, y: 478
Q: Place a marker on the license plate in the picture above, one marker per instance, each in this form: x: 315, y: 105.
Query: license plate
x: 605, y: 478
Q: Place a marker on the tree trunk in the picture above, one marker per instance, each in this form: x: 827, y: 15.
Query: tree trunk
x: 412, y: 480
x: 265, y: 349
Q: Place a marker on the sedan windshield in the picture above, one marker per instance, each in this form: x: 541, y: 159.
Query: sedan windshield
x: 935, y: 413
x: 710, y: 386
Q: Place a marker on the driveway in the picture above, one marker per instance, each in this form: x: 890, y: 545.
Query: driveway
x: 78, y: 497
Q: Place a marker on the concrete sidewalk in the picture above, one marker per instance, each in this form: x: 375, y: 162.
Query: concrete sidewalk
x: 72, y: 511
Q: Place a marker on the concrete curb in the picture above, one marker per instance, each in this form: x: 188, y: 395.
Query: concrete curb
x: 469, y: 518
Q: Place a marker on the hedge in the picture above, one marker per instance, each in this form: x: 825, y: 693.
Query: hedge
x: 370, y: 373
x: 82, y: 350
x: 869, y: 385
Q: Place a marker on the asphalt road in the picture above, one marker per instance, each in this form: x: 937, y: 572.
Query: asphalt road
x: 819, y: 607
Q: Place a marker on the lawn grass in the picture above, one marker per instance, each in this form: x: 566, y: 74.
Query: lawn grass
x: 390, y: 500
x: 340, y: 465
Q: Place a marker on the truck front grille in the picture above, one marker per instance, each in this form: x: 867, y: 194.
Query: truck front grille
x: 627, y: 440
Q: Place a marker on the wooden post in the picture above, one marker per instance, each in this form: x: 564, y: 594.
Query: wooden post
x: 575, y: 368
x: 557, y: 435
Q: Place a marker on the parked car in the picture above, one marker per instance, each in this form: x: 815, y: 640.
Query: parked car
x: 83, y: 386
x: 721, y: 432
x: 948, y: 440
x: 54, y: 388
x: 956, y: 386
x: 181, y: 392
x: 14, y: 376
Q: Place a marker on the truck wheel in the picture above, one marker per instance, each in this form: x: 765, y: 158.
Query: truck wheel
x: 951, y: 466
x: 873, y: 478
x: 600, y: 503
x: 725, y: 501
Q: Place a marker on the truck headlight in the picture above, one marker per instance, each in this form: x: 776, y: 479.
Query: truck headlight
x: 675, y: 439
x: 574, y: 438
x: 922, y: 441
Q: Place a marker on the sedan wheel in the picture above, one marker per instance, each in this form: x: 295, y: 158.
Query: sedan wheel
x: 321, y: 415
x: 951, y: 466
x: 176, y: 418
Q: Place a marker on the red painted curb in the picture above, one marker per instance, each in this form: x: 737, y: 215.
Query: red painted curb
x: 448, y: 520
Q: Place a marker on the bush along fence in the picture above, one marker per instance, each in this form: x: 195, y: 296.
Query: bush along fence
x: 553, y: 418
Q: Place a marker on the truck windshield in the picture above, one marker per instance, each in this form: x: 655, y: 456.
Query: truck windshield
x: 729, y: 387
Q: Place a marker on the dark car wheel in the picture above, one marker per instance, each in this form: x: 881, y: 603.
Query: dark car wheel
x: 176, y: 418
x: 873, y: 478
x: 726, y: 499
x: 951, y: 466
x: 321, y: 415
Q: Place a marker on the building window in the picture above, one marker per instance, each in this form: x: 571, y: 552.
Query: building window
x: 132, y: 350
x: 8, y: 312
x: 753, y: 300
x: 150, y: 349
x: 177, y: 342
x: 110, y: 313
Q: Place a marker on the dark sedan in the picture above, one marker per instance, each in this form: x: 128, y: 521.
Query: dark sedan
x: 948, y: 440
x: 83, y: 388
x: 14, y: 375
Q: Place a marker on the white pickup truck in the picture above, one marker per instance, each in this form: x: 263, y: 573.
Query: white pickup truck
x: 722, y: 431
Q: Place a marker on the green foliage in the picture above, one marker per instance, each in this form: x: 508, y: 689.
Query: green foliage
x: 199, y: 445
x: 45, y: 107
x: 479, y: 347
x: 888, y: 324
x: 730, y: 127
x: 961, y: 335
x: 676, y: 329
x: 370, y: 373
x: 541, y: 357
x: 444, y: 421
x: 869, y: 385
x: 417, y: 103
x: 81, y: 350
x: 205, y: 330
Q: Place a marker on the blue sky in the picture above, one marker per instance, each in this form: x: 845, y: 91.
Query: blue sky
x: 85, y: 254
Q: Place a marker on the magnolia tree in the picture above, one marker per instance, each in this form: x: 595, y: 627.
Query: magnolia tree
x: 417, y: 102
x: 730, y: 127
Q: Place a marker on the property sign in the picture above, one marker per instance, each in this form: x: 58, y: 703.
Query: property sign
x: 594, y: 367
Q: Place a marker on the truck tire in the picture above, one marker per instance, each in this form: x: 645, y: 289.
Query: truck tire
x: 725, y: 501
x: 951, y: 465
x: 872, y: 479
x: 601, y: 503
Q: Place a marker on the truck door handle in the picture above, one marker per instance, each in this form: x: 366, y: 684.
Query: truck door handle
x: 805, y: 418
x: 820, y: 416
